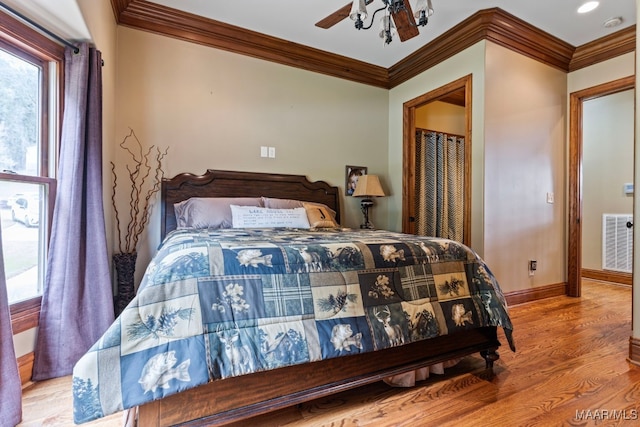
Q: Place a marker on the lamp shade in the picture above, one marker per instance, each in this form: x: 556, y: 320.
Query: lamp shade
x: 358, y: 8
x: 387, y: 25
x: 429, y: 8
x: 368, y: 186
x: 423, y: 6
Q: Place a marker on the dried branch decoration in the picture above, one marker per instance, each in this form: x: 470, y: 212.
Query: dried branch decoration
x: 145, y: 180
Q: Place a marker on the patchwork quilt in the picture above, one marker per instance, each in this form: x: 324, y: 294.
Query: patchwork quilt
x: 221, y: 303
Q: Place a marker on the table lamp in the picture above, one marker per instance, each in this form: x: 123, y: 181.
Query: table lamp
x: 368, y: 186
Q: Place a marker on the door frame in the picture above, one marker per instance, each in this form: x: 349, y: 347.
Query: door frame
x: 576, y: 100
x: 409, y: 145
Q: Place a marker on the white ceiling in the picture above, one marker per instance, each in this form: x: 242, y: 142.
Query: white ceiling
x: 294, y: 20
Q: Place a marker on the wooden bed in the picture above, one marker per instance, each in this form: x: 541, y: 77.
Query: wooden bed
x: 238, y: 398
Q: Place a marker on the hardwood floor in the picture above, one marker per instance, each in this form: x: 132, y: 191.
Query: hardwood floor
x: 570, y: 369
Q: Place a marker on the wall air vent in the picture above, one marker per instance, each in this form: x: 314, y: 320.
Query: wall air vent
x: 617, y: 242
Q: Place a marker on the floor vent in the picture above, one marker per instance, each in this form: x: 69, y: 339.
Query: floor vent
x: 617, y: 242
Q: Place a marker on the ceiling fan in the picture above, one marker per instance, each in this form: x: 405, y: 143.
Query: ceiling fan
x: 398, y: 17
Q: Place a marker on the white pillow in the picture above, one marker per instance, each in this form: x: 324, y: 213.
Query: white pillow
x: 256, y: 217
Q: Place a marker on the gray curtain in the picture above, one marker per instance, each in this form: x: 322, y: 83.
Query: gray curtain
x: 10, y: 387
x: 439, y: 185
x: 77, y: 302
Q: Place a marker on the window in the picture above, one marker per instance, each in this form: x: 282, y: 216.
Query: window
x: 30, y: 82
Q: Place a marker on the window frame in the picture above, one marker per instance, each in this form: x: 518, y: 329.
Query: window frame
x: 21, y: 40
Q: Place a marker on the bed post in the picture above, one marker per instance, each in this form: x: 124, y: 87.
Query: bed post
x: 490, y: 355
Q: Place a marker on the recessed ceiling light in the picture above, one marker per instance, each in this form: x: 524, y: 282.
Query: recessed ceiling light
x: 588, y: 6
x: 612, y: 22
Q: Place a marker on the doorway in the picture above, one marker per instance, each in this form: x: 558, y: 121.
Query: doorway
x: 457, y: 93
x: 576, y: 165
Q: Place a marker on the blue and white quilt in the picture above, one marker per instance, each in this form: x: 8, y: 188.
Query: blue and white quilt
x: 221, y: 303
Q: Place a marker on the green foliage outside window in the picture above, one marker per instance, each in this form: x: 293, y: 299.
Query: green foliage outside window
x: 19, y: 118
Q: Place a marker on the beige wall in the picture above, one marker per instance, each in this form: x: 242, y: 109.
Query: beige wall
x: 214, y: 109
x: 518, y: 127
x: 442, y: 117
x: 607, y: 164
x: 211, y: 125
x: 602, y: 72
x: 525, y: 119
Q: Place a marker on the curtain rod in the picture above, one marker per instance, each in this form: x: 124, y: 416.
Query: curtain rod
x: 39, y: 27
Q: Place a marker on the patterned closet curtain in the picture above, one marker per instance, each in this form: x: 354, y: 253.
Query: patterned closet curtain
x: 439, y: 185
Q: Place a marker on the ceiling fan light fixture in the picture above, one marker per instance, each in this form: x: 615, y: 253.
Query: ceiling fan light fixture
x: 387, y: 29
x: 392, y: 10
x: 423, y: 7
x: 358, y: 10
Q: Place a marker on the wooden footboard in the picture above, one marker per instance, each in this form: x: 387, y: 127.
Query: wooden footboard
x: 238, y: 398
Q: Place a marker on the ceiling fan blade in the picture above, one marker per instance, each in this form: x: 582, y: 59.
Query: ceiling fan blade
x: 405, y: 23
x: 337, y: 16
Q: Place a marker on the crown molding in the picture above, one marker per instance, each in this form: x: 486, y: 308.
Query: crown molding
x: 616, y: 44
x: 492, y: 24
x: 120, y: 6
x: 145, y: 15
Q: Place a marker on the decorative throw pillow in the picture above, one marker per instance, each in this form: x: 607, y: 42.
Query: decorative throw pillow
x: 210, y: 212
x: 319, y: 216
x: 255, y: 217
x: 274, y: 203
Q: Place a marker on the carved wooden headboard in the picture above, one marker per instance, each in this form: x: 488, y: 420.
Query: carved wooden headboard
x: 217, y: 183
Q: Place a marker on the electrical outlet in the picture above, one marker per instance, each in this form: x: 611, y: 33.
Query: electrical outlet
x: 272, y: 152
x: 550, y: 198
x: 264, y: 151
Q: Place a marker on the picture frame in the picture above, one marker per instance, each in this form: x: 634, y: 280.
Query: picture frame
x: 352, y: 173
